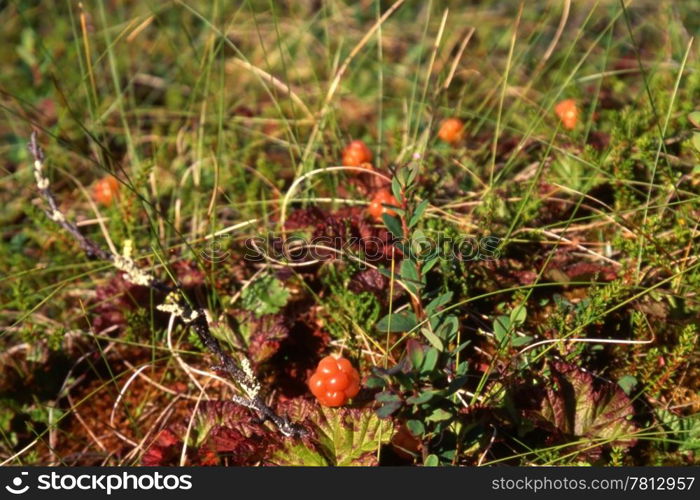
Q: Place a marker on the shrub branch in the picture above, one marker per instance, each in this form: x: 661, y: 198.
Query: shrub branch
x: 175, y: 303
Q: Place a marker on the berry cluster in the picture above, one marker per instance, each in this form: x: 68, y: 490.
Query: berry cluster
x: 334, y: 382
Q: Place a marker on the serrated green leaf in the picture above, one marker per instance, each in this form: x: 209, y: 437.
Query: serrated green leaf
x: 340, y: 437
x: 577, y: 406
x: 266, y: 295
x: 299, y: 455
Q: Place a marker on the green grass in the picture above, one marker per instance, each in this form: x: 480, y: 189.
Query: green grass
x: 208, y: 112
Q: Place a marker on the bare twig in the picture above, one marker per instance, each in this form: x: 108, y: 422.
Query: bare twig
x: 175, y: 303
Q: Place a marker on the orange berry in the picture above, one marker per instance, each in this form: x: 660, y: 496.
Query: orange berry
x: 376, y: 207
x: 451, y: 130
x: 317, y: 385
x: 356, y: 153
x: 334, y: 382
x: 106, y: 190
x: 568, y: 112
x: 352, y: 389
x: 337, y: 398
x: 339, y: 381
x: 327, y: 365
x: 345, y: 366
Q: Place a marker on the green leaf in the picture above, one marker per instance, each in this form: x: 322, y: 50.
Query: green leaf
x: 393, y: 224
x: 433, y: 339
x: 694, y: 118
x: 266, y: 295
x: 431, y: 461
x: 439, y: 415
x: 409, y: 276
x: 430, y: 361
x: 415, y: 352
x: 415, y: 427
x: 519, y: 341
x: 627, y: 383
x: 375, y: 382
x: 430, y: 262
x: 412, y: 173
x: 396, y: 189
x: 299, y: 455
x: 340, y: 437
x: 448, y: 329
x: 577, y: 406
x: 518, y: 315
x: 421, y: 398
x: 456, y: 384
x: 387, y: 409
x: 387, y: 397
x: 418, y: 213
x: 437, y: 302
x: 397, y: 322
x: 501, y: 325
x: 696, y: 140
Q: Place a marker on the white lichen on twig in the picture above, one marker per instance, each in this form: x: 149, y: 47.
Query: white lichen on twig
x: 175, y: 303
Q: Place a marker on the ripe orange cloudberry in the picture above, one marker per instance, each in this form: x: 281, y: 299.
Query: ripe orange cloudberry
x: 451, y: 130
x: 568, y: 112
x: 334, y: 382
x: 106, y: 190
x: 356, y: 153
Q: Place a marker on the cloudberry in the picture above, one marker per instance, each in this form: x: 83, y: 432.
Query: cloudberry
x: 106, y: 190
x: 451, y: 130
x: 335, y: 381
x: 568, y: 112
x: 376, y: 207
x: 356, y: 153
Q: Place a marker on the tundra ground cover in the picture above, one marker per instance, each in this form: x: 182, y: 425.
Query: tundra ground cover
x: 262, y: 185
